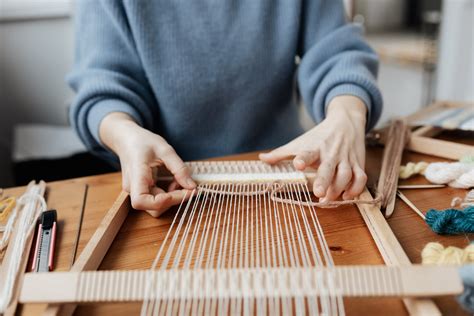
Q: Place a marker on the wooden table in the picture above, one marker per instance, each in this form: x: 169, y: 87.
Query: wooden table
x: 347, y: 236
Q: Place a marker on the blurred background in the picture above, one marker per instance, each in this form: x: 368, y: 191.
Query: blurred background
x: 426, y: 49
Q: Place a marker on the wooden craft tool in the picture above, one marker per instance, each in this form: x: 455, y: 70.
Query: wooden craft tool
x: 421, y: 186
x: 45, y: 241
x: 410, y: 204
x: 392, y: 157
x: 422, y: 139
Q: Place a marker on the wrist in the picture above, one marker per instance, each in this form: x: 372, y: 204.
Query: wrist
x: 114, y: 129
x: 348, y: 107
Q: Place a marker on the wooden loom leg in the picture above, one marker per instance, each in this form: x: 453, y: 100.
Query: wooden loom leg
x: 97, y: 247
x: 439, y: 148
x: 392, y: 252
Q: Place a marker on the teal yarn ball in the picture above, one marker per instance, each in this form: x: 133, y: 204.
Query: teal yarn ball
x: 451, y: 221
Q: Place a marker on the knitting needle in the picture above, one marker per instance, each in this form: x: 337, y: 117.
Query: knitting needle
x: 79, y: 225
x: 410, y: 204
x: 421, y: 186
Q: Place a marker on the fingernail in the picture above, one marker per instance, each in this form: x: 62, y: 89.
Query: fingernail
x: 319, y: 190
x: 300, y: 162
x: 190, y: 183
x: 346, y: 196
x: 323, y: 200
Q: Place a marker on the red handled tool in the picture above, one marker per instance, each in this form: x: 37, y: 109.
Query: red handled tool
x: 45, y: 240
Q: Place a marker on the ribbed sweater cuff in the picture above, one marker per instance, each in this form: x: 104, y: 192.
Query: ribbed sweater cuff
x: 102, y: 108
x: 350, y: 89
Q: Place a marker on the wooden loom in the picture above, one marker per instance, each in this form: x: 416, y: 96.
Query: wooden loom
x: 261, y: 266
x: 422, y: 138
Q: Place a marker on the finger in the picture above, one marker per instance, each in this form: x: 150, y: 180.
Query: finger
x: 341, y: 181
x: 174, y: 185
x: 359, y: 180
x: 305, y: 159
x: 172, y: 199
x: 324, y: 177
x: 177, y: 167
x: 360, y: 153
x: 140, y: 182
x: 278, y: 154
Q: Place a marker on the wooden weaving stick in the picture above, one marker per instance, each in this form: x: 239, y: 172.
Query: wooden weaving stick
x: 411, y: 205
x: 421, y: 186
x: 391, y: 161
x: 130, y: 286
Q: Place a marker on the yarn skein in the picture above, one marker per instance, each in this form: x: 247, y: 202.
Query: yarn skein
x: 451, y: 221
x: 436, y: 254
x: 412, y: 168
x: 455, y: 174
x: 468, y: 200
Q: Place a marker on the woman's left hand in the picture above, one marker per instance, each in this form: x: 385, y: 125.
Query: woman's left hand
x: 336, y: 146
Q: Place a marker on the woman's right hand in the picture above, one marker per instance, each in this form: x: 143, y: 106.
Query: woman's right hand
x: 140, y: 151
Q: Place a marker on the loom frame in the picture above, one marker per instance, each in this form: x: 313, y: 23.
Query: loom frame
x: 384, y: 238
x: 422, y: 138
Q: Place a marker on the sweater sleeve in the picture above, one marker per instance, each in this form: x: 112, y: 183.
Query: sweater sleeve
x: 335, y: 60
x: 107, y: 75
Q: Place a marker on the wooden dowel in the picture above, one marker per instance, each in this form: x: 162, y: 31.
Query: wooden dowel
x: 421, y: 186
x: 410, y: 204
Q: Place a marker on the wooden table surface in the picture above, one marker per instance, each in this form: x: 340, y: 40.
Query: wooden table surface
x: 348, y: 237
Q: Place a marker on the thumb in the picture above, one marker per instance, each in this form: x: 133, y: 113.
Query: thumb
x: 177, y: 167
x: 277, y: 154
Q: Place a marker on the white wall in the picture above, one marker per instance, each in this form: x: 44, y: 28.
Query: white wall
x: 402, y: 88
x: 456, y: 56
x: 35, y: 56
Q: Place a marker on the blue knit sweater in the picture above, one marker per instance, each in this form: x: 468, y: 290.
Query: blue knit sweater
x: 215, y: 77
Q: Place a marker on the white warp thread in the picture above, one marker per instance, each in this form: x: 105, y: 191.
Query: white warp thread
x: 28, y: 214
x: 455, y: 174
x: 8, y: 229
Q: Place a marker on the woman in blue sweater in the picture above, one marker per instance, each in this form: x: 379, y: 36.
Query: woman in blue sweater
x: 164, y: 81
